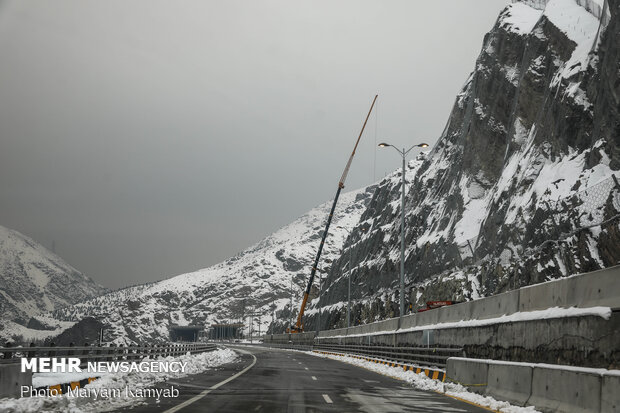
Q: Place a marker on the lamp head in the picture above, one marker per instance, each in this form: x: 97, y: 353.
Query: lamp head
x: 384, y: 145
x: 423, y: 145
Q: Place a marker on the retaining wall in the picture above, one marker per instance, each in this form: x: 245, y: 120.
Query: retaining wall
x: 597, y: 288
x: 305, y: 339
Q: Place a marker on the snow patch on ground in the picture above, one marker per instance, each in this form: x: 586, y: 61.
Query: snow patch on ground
x: 197, y: 363
x: 422, y: 382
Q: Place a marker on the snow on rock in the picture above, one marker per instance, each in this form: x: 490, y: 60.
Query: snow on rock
x: 520, y: 18
x: 520, y: 186
x: 34, y: 280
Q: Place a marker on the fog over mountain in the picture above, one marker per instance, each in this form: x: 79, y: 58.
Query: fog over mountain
x: 152, y: 138
x: 521, y: 188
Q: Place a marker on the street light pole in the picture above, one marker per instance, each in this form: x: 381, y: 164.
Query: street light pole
x: 402, y: 242
x: 349, y: 294
x: 403, y: 153
x: 318, y: 325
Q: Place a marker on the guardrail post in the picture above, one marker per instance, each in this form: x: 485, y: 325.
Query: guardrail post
x: 111, y: 352
x: 51, y: 353
x: 8, y: 354
x: 98, y: 352
x: 32, y: 353
x: 85, y: 351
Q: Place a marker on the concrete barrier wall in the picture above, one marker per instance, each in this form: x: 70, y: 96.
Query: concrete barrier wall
x: 471, y: 373
x: 288, y: 338
x: 561, y: 390
x: 454, y: 313
x: 598, y: 288
x: 385, y: 325
x: 610, y: 394
x: 510, y: 382
x: 543, y: 296
x: 11, y: 380
x: 548, y: 387
x: 427, y: 317
x: 495, y: 306
x: 584, y: 341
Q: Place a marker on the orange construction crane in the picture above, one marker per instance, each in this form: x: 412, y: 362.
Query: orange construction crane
x: 298, y: 327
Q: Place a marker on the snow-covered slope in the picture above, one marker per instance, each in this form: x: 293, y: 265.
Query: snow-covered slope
x: 258, y: 279
x: 34, y: 280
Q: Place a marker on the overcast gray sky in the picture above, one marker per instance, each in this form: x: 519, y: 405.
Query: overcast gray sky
x: 153, y: 138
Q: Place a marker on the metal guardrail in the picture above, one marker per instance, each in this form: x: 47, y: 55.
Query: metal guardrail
x: 289, y: 346
x: 104, y: 353
x: 423, y: 356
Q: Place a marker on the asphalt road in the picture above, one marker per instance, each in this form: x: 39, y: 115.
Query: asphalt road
x: 271, y: 380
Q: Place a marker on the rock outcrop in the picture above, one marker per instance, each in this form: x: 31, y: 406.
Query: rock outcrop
x: 520, y: 188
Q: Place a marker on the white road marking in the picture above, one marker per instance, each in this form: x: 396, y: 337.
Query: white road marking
x: 313, y: 378
x: 214, y: 387
x: 327, y: 399
x: 306, y: 368
x: 299, y: 362
x: 257, y: 408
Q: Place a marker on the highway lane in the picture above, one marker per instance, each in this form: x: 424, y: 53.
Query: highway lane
x: 288, y: 381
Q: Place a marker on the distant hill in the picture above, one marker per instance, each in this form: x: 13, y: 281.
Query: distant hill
x: 257, y: 280
x: 34, y: 280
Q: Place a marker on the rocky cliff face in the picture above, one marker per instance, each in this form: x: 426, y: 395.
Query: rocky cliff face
x: 34, y: 280
x: 521, y: 186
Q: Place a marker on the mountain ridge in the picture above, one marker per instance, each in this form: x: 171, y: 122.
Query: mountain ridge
x: 34, y: 280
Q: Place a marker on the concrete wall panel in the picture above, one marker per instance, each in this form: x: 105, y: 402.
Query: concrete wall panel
x: 470, y: 373
x: 409, y: 321
x: 598, y: 288
x: 565, y: 391
x: 510, y: 382
x: 456, y: 312
x: 495, y: 306
x: 610, y: 394
x: 543, y: 296
x: 11, y: 380
x: 427, y: 317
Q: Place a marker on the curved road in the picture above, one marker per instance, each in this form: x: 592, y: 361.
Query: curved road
x: 272, y: 380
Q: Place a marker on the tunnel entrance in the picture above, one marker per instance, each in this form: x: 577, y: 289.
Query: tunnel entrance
x: 185, y: 333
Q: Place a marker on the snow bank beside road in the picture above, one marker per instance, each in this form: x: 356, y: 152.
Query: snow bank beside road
x: 422, y: 382
x: 197, y: 363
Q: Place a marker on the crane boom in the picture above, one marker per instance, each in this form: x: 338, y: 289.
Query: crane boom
x: 298, y: 325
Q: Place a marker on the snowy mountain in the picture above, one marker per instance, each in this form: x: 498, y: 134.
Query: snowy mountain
x: 520, y: 188
x: 257, y: 280
x: 34, y: 280
x: 522, y: 185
